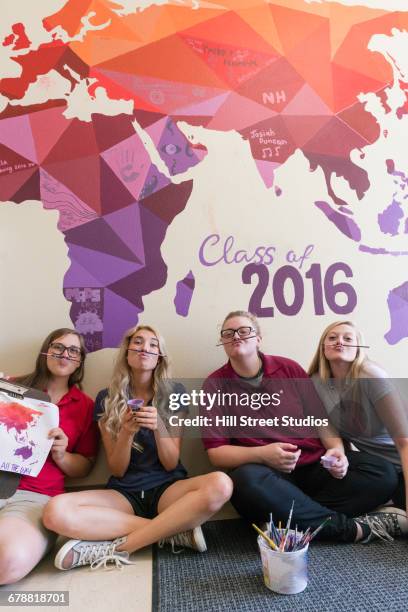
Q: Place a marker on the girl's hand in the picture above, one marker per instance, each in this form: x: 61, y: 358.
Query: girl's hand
x: 60, y: 443
x: 129, y: 423
x: 339, y: 469
x: 281, y: 456
x: 147, y: 417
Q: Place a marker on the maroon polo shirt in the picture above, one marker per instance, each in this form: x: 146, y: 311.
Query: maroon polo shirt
x: 299, y: 400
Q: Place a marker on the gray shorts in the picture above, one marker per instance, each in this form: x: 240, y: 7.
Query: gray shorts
x: 28, y: 506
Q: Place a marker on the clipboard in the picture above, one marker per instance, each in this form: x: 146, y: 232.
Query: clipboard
x: 9, y: 480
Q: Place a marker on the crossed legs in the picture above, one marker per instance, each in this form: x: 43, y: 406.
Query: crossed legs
x: 106, y: 514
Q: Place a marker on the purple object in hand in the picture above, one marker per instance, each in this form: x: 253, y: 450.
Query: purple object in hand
x: 328, y: 462
x: 135, y: 404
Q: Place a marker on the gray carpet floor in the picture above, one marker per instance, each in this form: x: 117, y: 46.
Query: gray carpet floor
x: 342, y: 577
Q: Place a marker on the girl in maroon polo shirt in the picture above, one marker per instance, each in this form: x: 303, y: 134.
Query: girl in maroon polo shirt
x: 59, y: 370
x: 271, y: 470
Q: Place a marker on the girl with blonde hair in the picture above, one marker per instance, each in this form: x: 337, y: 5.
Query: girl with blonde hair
x: 321, y: 363
x: 148, y: 497
x: 366, y: 408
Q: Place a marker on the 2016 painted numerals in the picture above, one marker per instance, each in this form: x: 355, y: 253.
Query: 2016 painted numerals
x: 288, y: 279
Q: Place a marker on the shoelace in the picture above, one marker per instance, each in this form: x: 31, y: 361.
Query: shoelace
x: 381, y: 527
x: 391, y: 521
x: 96, y: 555
x: 182, y: 539
x: 119, y: 558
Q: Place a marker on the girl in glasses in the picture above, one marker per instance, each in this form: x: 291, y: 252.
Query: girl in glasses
x: 273, y: 455
x: 365, y: 407
x: 59, y: 370
x: 148, y: 497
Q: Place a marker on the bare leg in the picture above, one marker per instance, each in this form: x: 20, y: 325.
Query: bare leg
x: 22, y: 546
x: 184, y: 505
x: 106, y: 514
x: 91, y: 515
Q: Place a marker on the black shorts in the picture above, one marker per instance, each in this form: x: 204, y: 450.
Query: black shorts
x: 144, y: 503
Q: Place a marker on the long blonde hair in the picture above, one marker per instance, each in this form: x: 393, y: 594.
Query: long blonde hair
x: 320, y: 364
x: 119, y: 391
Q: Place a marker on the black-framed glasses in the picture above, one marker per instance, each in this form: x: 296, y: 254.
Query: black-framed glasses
x: 59, y: 349
x: 243, y: 332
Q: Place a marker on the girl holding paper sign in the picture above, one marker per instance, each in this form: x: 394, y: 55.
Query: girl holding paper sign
x: 59, y: 370
x: 149, y: 498
x: 366, y: 408
x: 270, y: 466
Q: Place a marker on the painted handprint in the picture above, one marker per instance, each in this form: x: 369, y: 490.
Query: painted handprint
x: 127, y: 165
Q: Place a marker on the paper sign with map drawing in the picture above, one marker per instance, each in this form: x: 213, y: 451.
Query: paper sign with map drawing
x: 24, y: 427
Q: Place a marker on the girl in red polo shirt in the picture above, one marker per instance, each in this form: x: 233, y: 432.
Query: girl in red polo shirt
x: 59, y: 370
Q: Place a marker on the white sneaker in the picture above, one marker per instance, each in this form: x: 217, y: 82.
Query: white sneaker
x: 75, y: 553
x: 385, y: 523
x: 193, y: 538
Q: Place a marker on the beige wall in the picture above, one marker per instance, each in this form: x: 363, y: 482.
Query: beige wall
x: 228, y: 198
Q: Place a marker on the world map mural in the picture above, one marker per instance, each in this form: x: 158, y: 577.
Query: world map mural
x: 95, y: 124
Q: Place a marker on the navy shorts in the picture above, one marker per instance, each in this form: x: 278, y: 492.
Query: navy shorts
x: 144, y: 503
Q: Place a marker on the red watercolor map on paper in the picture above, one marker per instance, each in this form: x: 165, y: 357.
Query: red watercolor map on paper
x: 24, y: 427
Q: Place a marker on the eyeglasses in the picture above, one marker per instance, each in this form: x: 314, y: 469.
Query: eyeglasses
x: 243, y: 332
x: 59, y: 349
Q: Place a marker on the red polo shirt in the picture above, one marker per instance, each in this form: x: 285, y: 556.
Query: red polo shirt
x: 76, y: 420
x: 299, y: 400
